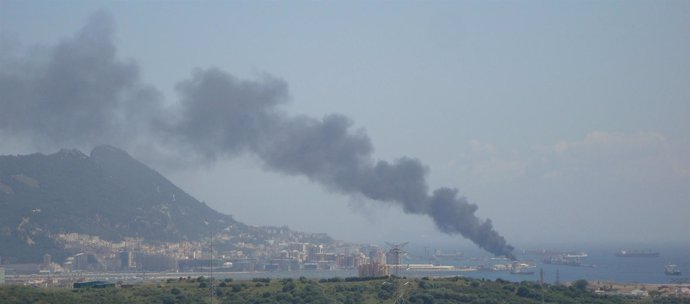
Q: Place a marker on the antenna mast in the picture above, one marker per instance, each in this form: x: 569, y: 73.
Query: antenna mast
x: 211, y: 278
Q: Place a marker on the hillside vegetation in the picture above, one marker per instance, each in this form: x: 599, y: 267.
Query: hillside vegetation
x: 336, y: 290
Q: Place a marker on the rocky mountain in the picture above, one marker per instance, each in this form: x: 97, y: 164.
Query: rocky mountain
x: 107, y: 194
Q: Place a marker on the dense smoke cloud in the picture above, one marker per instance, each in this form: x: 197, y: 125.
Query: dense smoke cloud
x: 81, y: 94
x: 74, y: 92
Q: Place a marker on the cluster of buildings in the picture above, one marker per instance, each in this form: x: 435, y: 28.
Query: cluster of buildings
x: 641, y: 290
x: 131, y: 255
x: 284, y: 251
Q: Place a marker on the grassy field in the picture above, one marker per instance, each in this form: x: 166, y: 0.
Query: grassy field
x: 336, y: 290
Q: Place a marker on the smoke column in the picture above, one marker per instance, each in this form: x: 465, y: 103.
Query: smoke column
x: 80, y: 93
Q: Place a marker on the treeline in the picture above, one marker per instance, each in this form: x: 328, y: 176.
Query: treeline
x: 334, y: 290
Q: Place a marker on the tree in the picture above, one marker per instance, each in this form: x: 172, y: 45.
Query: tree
x: 580, y: 285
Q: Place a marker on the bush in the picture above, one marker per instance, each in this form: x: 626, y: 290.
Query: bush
x: 167, y: 299
x: 523, y: 291
x: 422, y: 298
x: 387, y: 290
x: 580, y: 285
x: 425, y: 284
x: 289, y: 286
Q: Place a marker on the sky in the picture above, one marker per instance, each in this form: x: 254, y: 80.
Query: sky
x: 563, y: 121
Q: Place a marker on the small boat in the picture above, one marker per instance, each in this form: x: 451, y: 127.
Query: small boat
x: 672, y: 269
x: 575, y: 255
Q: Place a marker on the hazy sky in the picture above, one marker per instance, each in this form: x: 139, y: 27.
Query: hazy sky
x: 562, y: 120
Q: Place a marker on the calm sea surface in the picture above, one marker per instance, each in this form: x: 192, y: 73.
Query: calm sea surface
x: 602, y: 264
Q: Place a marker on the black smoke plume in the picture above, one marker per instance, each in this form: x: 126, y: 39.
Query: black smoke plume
x: 76, y: 92
x: 79, y: 93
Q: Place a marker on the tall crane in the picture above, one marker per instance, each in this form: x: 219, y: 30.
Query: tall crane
x: 395, y: 253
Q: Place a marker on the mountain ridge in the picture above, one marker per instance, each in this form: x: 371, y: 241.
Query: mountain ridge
x: 107, y: 194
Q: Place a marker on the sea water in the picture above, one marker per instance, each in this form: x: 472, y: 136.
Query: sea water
x: 601, y: 264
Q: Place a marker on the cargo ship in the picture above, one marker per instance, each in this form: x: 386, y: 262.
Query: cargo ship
x: 521, y: 268
x: 439, y: 255
x: 636, y: 254
x: 522, y: 272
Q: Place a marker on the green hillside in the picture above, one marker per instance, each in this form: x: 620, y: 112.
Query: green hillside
x: 107, y: 194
